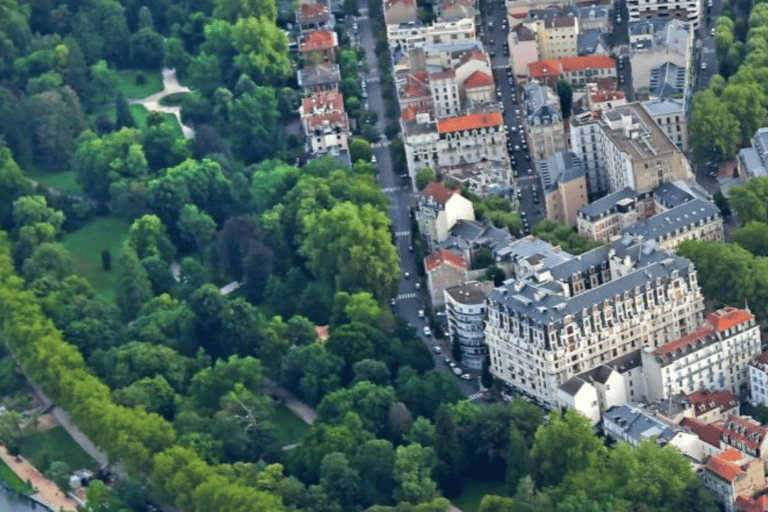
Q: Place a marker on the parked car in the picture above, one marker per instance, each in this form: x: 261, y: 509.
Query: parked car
x: 428, y: 332
x: 466, y: 376
x: 457, y: 372
x: 437, y: 350
x: 421, y: 313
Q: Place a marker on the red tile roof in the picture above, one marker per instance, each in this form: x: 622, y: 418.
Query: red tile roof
x: 442, y: 75
x: 544, y: 68
x: 747, y: 504
x: 438, y: 192
x: 473, y: 55
x: 587, y: 62
x: 704, y: 401
x: 469, y: 122
x: 410, y: 112
x: 318, y: 40
x: 602, y: 96
x: 742, y: 433
x: 331, y: 101
x: 478, y: 79
x: 331, y: 119
x: 445, y: 257
x: 710, y: 434
x: 725, y: 469
x: 728, y: 317
x: 762, y: 358
x: 417, y: 85
x: 731, y: 455
x: 313, y: 12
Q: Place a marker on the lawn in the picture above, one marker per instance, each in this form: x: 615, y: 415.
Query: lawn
x: 12, y: 480
x: 43, y: 448
x: 130, y: 89
x: 65, y: 181
x: 86, y: 245
x: 472, y: 492
x: 140, y: 114
x: 290, y: 428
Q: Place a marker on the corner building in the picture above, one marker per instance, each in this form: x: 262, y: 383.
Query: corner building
x: 572, y: 317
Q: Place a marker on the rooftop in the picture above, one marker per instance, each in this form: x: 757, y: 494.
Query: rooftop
x: 724, y: 466
x: 634, y: 131
x: 679, y: 218
x: 318, y: 40
x: 607, y: 203
x: 587, y: 62
x: 469, y: 122
x: 560, y: 22
x: 743, y: 432
x: 319, y: 74
x: 665, y: 106
x: 636, y: 425
x: 444, y: 257
x: 468, y: 293
x: 708, y: 433
x: 560, y: 168
x: 748, y: 504
x: 309, y: 13
x: 438, y: 192
x: 704, y: 401
x: 330, y: 101
x: 478, y: 79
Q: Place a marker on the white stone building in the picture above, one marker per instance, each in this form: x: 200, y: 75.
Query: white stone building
x: 439, y: 210
x: 684, y: 10
x: 465, y: 311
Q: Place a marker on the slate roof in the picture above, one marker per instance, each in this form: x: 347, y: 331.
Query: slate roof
x: 667, y: 223
x: 559, y: 168
x: 751, y: 163
x: 572, y: 385
x: 588, y: 41
x: 671, y: 195
x: 637, y: 425
x: 319, y: 74
x: 607, y: 203
x: 531, y: 246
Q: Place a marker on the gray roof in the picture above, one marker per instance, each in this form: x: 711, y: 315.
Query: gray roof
x: 593, y: 12
x: 671, y: 195
x: 649, y: 264
x: 607, y: 203
x: 588, y: 41
x: 542, y: 105
x: 637, y: 425
x: 466, y: 233
x: 667, y: 80
x: 319, y: 74
x: 456, y: 47
x: 751, y: 163
x: 561, y: 167
x: 531, y: 246
x: 468, y: 293
x: 666, y: 223
x: 572, y: 385
x: 664, y: 106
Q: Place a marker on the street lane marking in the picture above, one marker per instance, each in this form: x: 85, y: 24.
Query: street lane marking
x: 406, y: 296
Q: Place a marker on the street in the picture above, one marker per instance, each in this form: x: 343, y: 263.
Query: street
x: 408, y: 301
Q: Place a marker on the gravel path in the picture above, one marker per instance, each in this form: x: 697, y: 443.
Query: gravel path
x: 171, y: 85
x: 47, y: 491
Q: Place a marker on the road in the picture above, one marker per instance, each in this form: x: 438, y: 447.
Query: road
x: 507, y: 92
x: 409, y: 300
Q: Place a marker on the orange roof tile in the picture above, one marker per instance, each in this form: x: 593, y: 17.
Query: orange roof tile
x: 587, y: 62
x: 748, y: 504
x: 731, y: 455
x: 318, y: 40
x: 473, y: 55
x: 469, y: 122
x: 478, y: 79
x: 728, y: 317
x: 723, y: 468
x: 601, y: 96
x: 330, y: 119
x: 438, y: 192
x: 417, y: 85
x: 445, y: 257
x: 742, y: 432
x: 326, y: 101
x: 544, y: 68
x: 313, y: 12
x: 705, y: 401
x: 710, y: 434
x: 409, y: 112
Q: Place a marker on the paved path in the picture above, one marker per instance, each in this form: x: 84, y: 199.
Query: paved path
x: 234, y: 285
x: 47, y: 491
x: 171, y: 85
x: 299, y: 408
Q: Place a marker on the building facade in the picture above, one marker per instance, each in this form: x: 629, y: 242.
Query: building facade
x: 326, y: 124
x: 688, y: 11
x: 715, y: 356
x: 557, y: 37
x: 465, y: 311
x: 565, y: 187
x: 669, y: 114
x: 439, y: 210
x: 572, y: 317
x: 544, y: 121
x: 730, y: 474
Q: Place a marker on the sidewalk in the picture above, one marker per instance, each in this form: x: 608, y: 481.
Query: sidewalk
x: 47, y: 491
x: 299, y: 408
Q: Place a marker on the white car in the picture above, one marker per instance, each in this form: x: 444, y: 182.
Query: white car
x: 373, y: 159
x: 457, y: 372
x: 421, y: 313
x: 466, y: 376
x: 428, y: 332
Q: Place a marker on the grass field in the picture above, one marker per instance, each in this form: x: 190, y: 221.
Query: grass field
x: 43, y: 448
x: 290, y: 428
x: 472, y: 492
x: 65, y: 181
x: 12, y: 480
x: 86, y: 245
x: 131, y: 89
x: 140, y: 114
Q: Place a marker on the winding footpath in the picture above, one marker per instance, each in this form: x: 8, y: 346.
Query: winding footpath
x: 171, y: 85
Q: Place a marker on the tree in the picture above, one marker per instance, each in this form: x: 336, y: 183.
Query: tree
x: 48, y: 259
x: 123, y: 112
x: 713, y: 127
x: 360, y: 149
x: 198, y: 227
x: 375, y: 460
x: 518, y: 459
x: 11, y: 433
x: 424, y: 176
x: 565, y: 91
x: 722, y: 203
x: 486, y: 377
x: 57, y: 120
x: 147, y: 237
x: 231, y: 10
x: 449, y: 453
x: 372, y: 371
x: 103, y: 82
x: 58, y: 473
x: 132, y: 288
x: 146, y: 49
x: 99, y: 498
x: 311, y: 372
x: 341, y: 481
x: 12, y: 186
x: 491, y: 503
x: 262, y: 51
x: 412, y: 472
x: 753, y: 237
x: 255, y: 125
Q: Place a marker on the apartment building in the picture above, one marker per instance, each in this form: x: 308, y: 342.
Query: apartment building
x: 688, y: 11
x: 397, y: 12
x: 636, y: 152
x: 753, y: 161
x: 714, y: 356
x: 326, y: 124
x: 565, y: 187
x: 444, y: 269
x: 319, y: 46
x: 455, y: 10
x: 440, y: 208
x: 608, y: 217
x: 523, y: 49
x: 314, y: 17
x: 669, y: 114
x: 758, y: 379
x: 631, y: 424
x: 694, y: 220
x: 578, y: 71
x: 662, y: 61
x: 557, y: 36
x: 407, y: 36
x: 730, y: 474
x: 465, y: 312
x: 572, y: 317
x: 544, y: 121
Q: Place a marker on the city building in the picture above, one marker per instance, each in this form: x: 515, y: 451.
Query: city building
x: 669, y: 114
x: 749, y: 504
x: 455, y: 10
x: 662, y: 63
x: 319, y: 46
x: 439, y: 210
x: 635, y: 151
x: 471, y: 238
x: 594, y: 17
x: 523, y: 49
x: 544, y: 121
x: 314, y: 17
x: 444, y: 269
x: 465, y: 312
x: 608, y: 217
x: 758, y: 379
x: 592, y: 42
x: 694, y: 220
x: 319, y: 78
x: 556, y: 36
x: 326, y: 124
x: 577, y: 70
x: 565, y: 187
x: 528, y: 256
x: 753, y: 161
x: 730, y: 474
x: 629, y: 423
x: 397, y: 12
x: 688, y: 11
x: 567, y: 319
x: 407, y: 36
x: 714, y: 356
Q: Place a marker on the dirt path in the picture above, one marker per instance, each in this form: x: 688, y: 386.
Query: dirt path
x: 171, y: 85
x: 47, y: 491
x: 299, y: 408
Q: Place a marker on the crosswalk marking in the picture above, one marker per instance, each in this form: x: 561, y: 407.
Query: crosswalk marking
x: 502, y: 66
x: 406, y: 296
x: 389, y: 190
x: 477, y: 395
x: 382, y: 144
x: 402, y: 233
